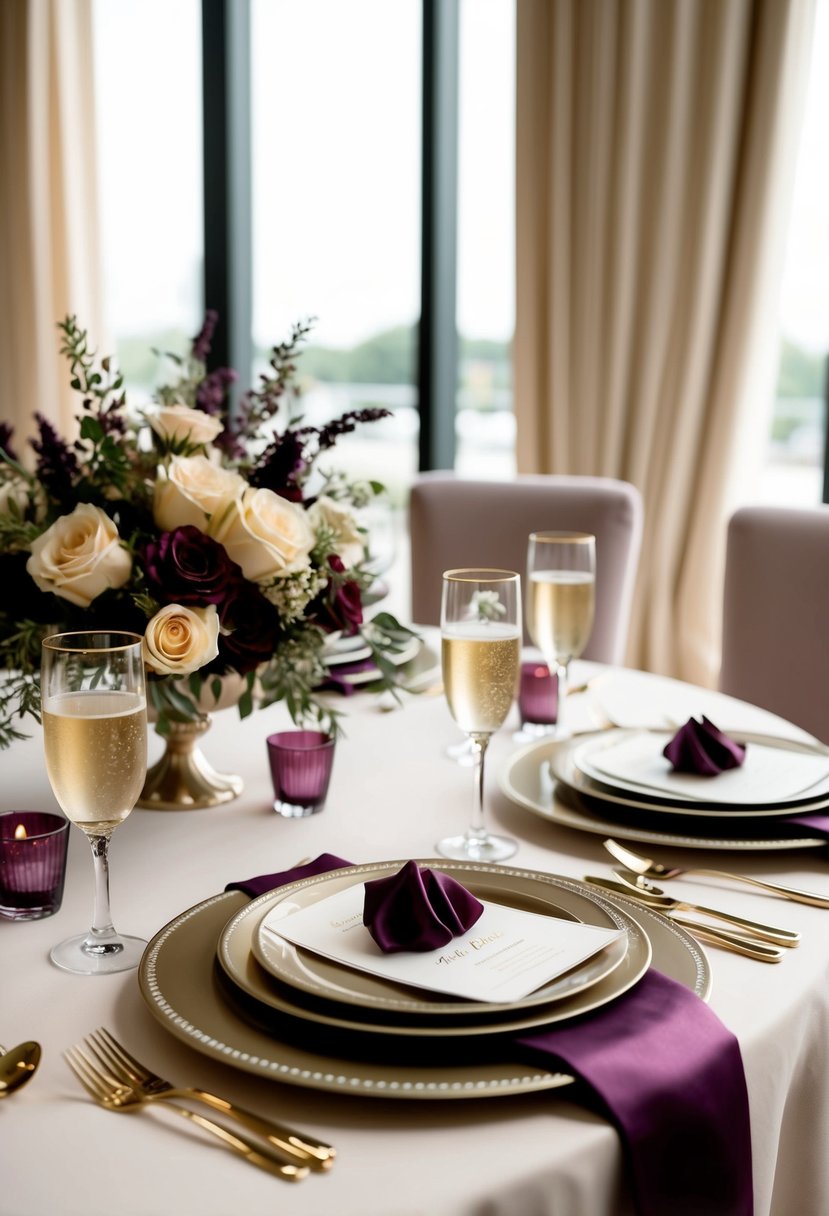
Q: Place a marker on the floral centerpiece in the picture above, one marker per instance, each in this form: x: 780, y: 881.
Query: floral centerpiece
x: 212, y: 532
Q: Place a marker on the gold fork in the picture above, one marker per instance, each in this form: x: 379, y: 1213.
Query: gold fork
x: 108, y: 1092
x: 115, y: 1057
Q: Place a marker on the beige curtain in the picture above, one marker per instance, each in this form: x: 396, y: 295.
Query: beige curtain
x: 49, y: 260
x: 655, y: 145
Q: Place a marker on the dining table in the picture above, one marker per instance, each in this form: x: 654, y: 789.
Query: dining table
x: 394, y: 792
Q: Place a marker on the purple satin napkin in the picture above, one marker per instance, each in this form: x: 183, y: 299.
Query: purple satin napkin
x: 418, y: 909
x: 663, y: 1068
x: 701, y: 748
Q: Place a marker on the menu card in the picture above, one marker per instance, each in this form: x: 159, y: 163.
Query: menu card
x: 506, y: 955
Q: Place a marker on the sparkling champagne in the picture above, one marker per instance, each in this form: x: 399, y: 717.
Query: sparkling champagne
x: 96, y: 755
x: 480, y: 673
x: 560, y: 611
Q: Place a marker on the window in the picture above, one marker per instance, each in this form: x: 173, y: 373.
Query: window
x: 486, y: 246
x: 792, y: 474
x: 336, y: 211
x: 150, y: 179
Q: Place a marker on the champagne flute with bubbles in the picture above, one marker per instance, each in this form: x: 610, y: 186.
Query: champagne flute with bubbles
x: 480, y: 624
x: 561, y: 600
x: 95, y: 735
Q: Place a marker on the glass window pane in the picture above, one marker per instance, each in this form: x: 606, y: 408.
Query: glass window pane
x: 336, y: 211
x: 149, y: 130
x: 792, y: 474
x: 486, y: 244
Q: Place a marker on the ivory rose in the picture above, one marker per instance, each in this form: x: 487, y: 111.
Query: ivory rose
x: 183, y: 424
x: 191, y: 490
x: 179, y: 640
x: 348, y: 540
x: 80, y: 556
x: 264, y: 534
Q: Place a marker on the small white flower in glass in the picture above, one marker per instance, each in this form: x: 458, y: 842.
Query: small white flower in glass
x: 480, y: 624
x: 561, y: 600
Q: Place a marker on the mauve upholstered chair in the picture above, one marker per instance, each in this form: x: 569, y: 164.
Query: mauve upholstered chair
x: 457, y: 522
x: 775, y: 645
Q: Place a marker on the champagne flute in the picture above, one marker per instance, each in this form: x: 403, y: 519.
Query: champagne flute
x: 95, y: 736
x: 480, y: 625
x: 561, y: 571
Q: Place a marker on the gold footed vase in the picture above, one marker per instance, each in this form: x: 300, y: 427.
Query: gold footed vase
x: 183, y: 779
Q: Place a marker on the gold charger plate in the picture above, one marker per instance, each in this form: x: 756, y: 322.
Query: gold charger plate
x: 323, y: 978
x: 571, y: 762
x: 182, y: 987
x: 526, y: 779
x: 389, y: 1008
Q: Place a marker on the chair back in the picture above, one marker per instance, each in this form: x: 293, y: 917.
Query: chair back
x: 456, y: 522
x: 775, y: 644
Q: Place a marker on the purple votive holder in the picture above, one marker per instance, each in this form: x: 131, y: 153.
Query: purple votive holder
x: 301, y: 762
x: 538, y: 695
x: 32, y: 863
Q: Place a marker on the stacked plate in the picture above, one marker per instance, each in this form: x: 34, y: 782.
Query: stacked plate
x: 619, y: 783
x: 221, y: 978
x: 349, y: 659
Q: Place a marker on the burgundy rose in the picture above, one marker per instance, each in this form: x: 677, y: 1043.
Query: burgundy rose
x: 341, y: 605
x: 250, y: 629
x: 186, y: 567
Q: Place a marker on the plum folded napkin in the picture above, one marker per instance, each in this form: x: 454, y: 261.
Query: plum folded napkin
x: 662, y: 1067
x: 418, y: 909
x: 702, y: 748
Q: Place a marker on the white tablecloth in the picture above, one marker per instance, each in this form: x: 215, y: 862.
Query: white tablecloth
x: 393, y: 794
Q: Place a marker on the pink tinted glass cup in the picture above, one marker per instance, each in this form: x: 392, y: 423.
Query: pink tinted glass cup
x: 301, y: 762
x: 32, y: 866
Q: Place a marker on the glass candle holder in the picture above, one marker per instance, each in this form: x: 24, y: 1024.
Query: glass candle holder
x: 33, y: 848
x: 301, y: 762
x: 537, y: 701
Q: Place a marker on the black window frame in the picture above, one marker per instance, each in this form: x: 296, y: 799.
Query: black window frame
x: 228, y: 253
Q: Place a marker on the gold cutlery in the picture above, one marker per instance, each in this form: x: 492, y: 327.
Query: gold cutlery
x: 716, y: 935
x: 17, y: 1066
x: 655, y: 897
x: 652, y: 869
x: 128, y: 1071
x: 108, y: 1092
x: 713, y: 935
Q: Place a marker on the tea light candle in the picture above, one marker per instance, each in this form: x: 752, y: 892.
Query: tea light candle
x: 33, y: 848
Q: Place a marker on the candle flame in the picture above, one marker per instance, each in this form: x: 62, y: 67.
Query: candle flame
x: 20, y: 832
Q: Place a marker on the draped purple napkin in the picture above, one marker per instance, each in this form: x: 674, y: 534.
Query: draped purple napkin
x: 702, y: 748
x: 418, y: 909
x: 335, y: 681
x: 662, y: 1067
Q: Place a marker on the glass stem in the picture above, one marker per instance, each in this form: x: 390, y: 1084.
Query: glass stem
x: 479, y: 745
x: 102, y: 938
x: 562, y: 676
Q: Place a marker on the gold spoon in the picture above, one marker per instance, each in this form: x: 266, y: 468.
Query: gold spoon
x: 17, y: 1066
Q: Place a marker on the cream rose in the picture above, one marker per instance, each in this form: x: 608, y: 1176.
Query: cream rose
x: 179, y: 640
x: 331, y: 515
x: 191, y: 490
x: 265, y: 534
x: 80, y: 556
x: 181, y: 424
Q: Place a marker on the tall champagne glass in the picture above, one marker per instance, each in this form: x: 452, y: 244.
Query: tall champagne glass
x: 480, y: 625
x: 95, y: 735
x: 561, y: 601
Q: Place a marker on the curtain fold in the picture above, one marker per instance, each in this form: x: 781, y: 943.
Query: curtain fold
x: 49, y: 254
x: 654, y: 159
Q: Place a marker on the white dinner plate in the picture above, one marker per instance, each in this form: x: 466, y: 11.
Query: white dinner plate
x: 579, y: 763
x: 575, y: 995
x: 330, y: 982
x: 526, y: 779
x: 178, y: 980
